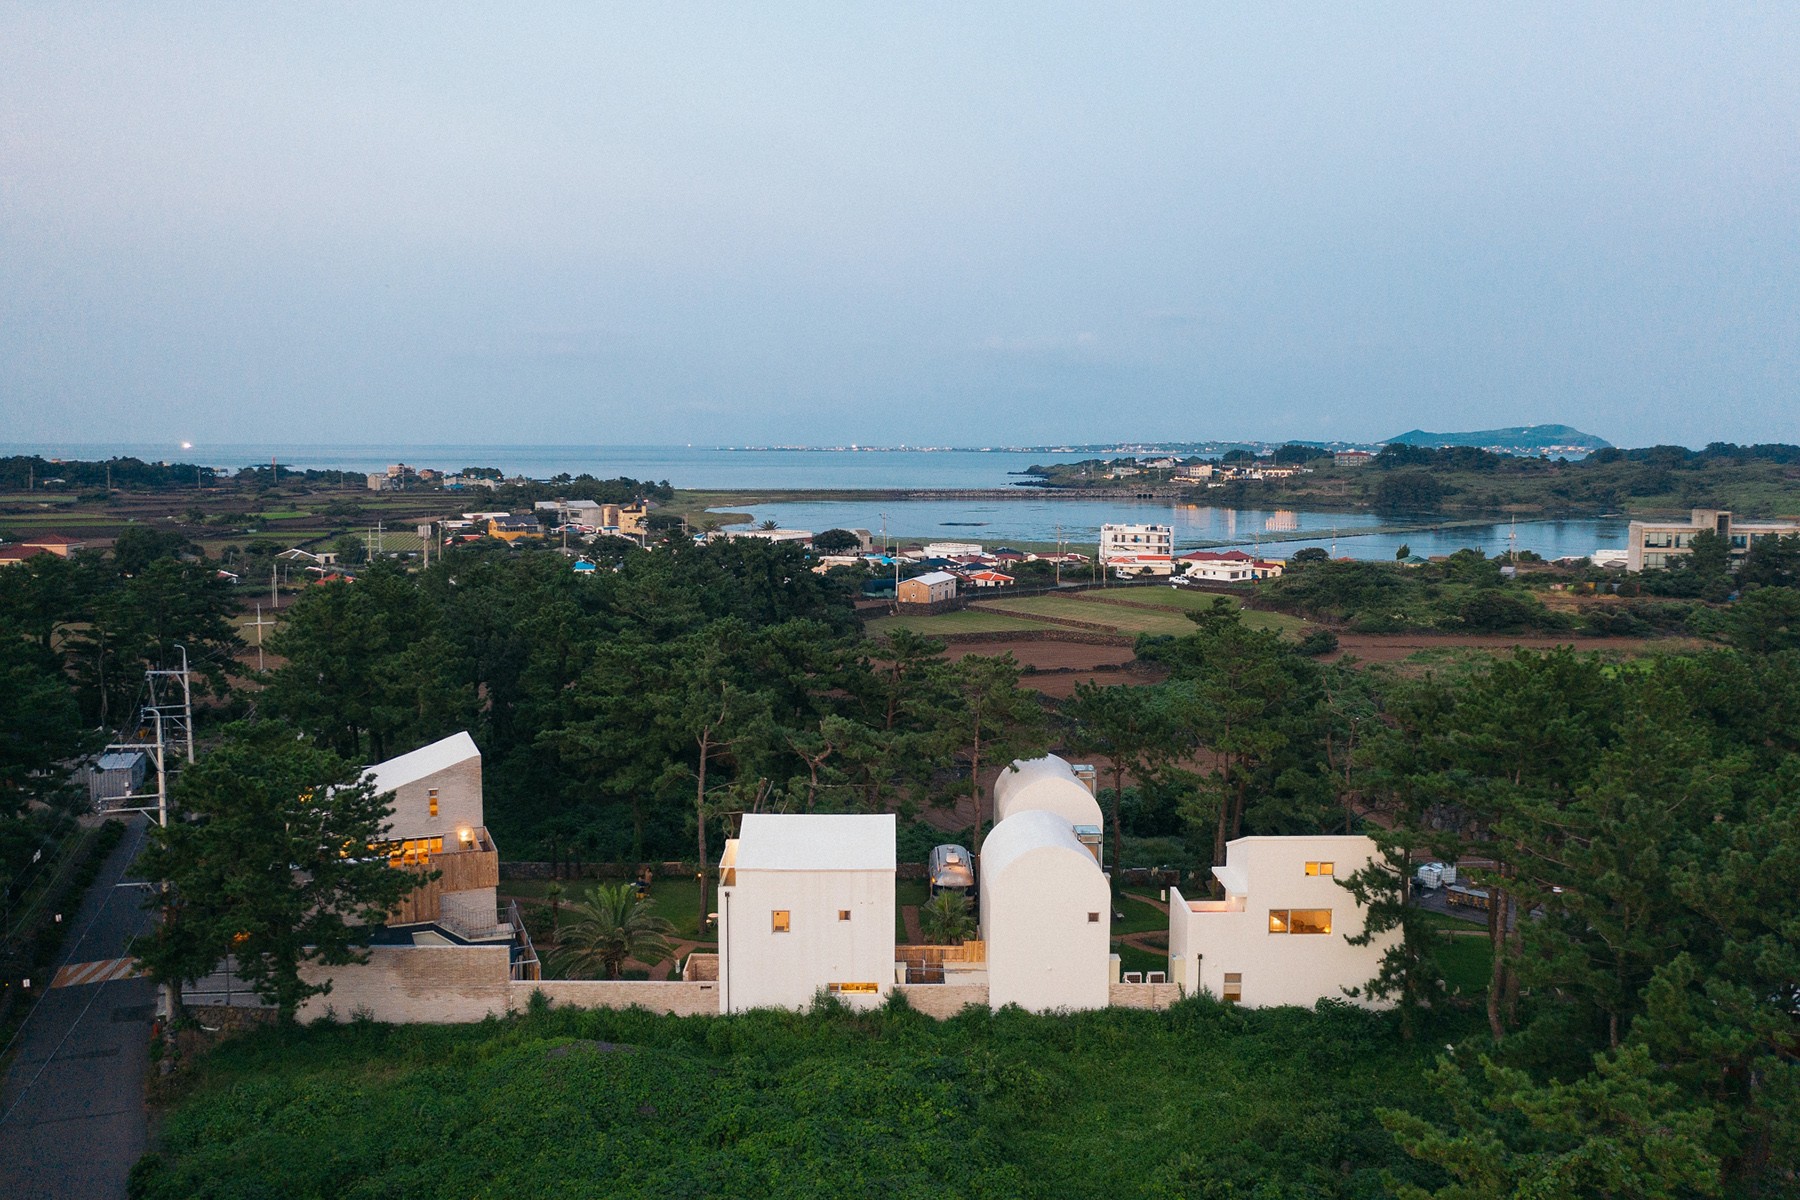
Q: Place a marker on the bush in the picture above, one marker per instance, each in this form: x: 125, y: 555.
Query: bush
x: 1317, y: 643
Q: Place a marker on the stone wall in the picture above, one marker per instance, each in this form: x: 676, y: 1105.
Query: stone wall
x: 431, y: 985
x: 1144, y: 995
x: 942, y: 1000
x: 678, y: 999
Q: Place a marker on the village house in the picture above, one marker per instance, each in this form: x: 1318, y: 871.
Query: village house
x: 510, y: 528
x: 1280, y: 933
x: 1053, y: 785
x: 933, y: 587
x: 1228, y: 566
x: 31, y: 546
x: 806, y: 905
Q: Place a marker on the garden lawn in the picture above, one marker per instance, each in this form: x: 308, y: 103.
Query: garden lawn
x: 1201, y: 1099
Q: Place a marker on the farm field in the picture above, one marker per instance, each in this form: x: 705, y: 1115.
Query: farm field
x: 967, y: 621
x: 1115, y: 616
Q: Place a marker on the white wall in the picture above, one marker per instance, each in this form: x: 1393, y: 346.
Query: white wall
x: 1046, y: 783
x: 1277, y: 968
x: 760, y: 968
x: 1038, y: 887
x: 459, y: 804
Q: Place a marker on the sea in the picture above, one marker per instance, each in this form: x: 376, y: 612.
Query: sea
x: 1029, y: 519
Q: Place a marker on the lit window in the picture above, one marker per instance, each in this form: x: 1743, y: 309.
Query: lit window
x: 432, y: 796
x: 851, y: 989
x: 1234, y: 987
x: 1093, y: 918
x: 778, y: 920
x: 1321, y: 868
x: 843, y: 914
x: 414, y: 852
x: 1300, y: 920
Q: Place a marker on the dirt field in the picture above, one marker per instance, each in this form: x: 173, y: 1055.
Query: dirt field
x: 1388, y: 648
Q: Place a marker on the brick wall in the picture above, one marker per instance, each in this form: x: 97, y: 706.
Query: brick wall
x: 1144, y: 995
x: 942, y: 1000
x: 678, y: 999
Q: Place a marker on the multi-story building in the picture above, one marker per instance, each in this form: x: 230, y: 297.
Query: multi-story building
x: 1138, y: 549
x: 1653, y: 545
x: 806, y: 905
x: 1281, y: 934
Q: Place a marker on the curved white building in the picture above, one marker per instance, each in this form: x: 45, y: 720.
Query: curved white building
x: 1050, y: 784
x: 1046, y: 915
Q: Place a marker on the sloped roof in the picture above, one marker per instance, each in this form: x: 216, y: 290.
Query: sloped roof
x: 1023, y: 832
x: 426, y: 760
x: 816, y: 842
x: 931, y: 577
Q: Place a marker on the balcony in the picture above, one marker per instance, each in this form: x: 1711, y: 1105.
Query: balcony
x: 474, y: 864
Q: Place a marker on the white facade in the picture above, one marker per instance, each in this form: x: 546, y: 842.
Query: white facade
x: 951, y: 549
x: 1278, y: 936
x: 1653, y: 545
x: 437, y: 809
x: 1046, y: 916
x: 1138, y: 549
x: 1051, y: 785
x: 806, y: 904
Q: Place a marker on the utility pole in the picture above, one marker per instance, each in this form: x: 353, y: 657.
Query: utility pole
x: 274, y: 585
x: 259, y: 625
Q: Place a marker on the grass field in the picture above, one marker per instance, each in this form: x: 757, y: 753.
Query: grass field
x: 1113, y: 616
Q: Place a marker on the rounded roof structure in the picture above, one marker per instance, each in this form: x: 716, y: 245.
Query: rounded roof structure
x: 1026, y: 831
x: 1048, y: 784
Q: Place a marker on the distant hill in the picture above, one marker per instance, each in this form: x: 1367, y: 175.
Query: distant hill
x: 1519, y: 439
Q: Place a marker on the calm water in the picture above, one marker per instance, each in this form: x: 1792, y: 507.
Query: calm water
x: 1356, y: 535
x: 683, y: 466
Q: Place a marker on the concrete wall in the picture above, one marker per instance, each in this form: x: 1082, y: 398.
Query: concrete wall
x: 764, y: 969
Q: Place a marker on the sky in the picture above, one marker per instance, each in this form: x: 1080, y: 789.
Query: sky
x: 928, y: 223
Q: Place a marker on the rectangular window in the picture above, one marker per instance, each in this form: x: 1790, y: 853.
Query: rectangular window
x: 843, y: 914
x: 778, y: 920
x: 1234, y: 987
x: 1093, y: 918
x: 414, y: 852
x: 1321, y: 868
x: 1300, y: 920
x: 852, y: 989
x: 431, y: 795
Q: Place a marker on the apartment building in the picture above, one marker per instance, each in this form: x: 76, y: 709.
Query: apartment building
x: 1137, y: 549
x: 1654, y: 545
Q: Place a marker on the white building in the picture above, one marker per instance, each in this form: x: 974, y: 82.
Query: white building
x: 1653, y: 545
x: 1046, y: 916
x: 933, y: 587
x: 806, y: 904
x: 1137, y: 549
x: 951, y: 549
x: 802, y: 536
x: 1051, y: 785
x: 1279, y: 935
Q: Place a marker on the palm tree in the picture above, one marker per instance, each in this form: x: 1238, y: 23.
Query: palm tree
x: 610, y: 926
x: 945, y: 918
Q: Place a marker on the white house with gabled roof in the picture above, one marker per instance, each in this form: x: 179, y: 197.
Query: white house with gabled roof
x: 1050, y: 783
x: 435, y: 822
x: 1279, y: 934
x: 1046, y: 915
x: 806, y: 905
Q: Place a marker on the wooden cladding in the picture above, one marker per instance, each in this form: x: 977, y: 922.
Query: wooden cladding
x: 458, y: 871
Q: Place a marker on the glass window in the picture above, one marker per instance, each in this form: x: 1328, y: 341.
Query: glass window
x: 1093, y: 918
x: 778, y: 920
x: 1300, y: 920
x: 431, y: 795
x: 1321, y: 868
x: 843, y: 914
x: 1310, y: 920
x: 414, y: 852
x: 851, y: 989
x: 1234, y: 987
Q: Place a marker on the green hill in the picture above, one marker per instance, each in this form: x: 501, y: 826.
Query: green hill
x: 1518, y: 439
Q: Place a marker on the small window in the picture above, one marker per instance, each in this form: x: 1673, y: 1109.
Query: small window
x: 1321, y: 868
x: 852, y: 989
x: 1278, y: 920
x: 843, y: 914
x: 778, y: 920
x: 431, y: 795
x: 1093, y: 918
x: 1234, y: 988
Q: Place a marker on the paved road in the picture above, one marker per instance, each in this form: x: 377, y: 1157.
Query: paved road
x: 72, y: 1118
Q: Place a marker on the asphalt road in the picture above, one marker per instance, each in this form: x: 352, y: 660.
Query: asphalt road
x: 72, y: 1117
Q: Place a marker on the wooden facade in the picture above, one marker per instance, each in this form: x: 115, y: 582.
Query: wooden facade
x: 458, y: 871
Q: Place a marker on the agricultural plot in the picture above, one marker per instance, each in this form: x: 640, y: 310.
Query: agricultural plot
x: 971, y: 621
x: 1113, y: 616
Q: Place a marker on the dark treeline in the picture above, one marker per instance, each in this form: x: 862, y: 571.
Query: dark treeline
x: 1637, y: 826
x: 20, y: 471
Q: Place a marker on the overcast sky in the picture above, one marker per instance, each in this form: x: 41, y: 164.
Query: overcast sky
x: 883, y: 223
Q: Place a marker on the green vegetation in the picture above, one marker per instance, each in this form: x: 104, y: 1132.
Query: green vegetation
x: 611, y: 926
x: 1199, y: 1100
x: 962, y: 621
x: 1112, y: 616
